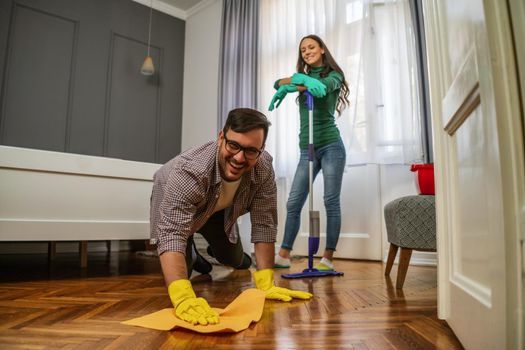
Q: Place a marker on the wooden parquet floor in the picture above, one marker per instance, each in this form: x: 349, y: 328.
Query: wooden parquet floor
x: 59, y: 306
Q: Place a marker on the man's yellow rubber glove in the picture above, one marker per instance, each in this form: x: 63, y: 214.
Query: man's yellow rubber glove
x: 264, y: 281
x: 188, y: 307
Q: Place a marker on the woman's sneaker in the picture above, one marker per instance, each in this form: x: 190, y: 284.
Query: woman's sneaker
x: 325, y: 265
x: 281, y: 263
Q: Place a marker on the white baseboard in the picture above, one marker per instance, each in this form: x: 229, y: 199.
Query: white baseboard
x: 61, y: 247
x: 418, y: 258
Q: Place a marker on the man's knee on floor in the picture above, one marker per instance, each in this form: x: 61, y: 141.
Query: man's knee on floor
x: 236, y: 261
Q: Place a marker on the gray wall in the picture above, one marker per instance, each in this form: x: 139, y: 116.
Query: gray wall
x: 70, y: 78
x: 201, y: 68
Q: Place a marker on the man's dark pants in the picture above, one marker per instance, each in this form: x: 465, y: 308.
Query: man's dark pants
x: 226, y: 253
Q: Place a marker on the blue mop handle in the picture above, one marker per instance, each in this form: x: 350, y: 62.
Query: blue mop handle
x: 313, y: 246
x: 310, y: 105
x: 313, y: 239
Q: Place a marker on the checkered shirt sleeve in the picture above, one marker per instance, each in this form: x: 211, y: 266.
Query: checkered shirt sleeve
x: 186, y: 189
x: 263, y: 206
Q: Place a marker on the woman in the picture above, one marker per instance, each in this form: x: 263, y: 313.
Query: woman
x: 319, y: 73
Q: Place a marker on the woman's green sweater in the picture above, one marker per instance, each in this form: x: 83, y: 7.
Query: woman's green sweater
x: 325, y: 129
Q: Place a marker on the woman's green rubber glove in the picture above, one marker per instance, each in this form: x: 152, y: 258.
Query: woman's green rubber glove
x: 281, y: 94
x: 188, y: 307
x: 264, y: 281
x: 316, y: 88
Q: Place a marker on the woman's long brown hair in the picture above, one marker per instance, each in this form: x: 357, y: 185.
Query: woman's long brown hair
x: 330, y: 65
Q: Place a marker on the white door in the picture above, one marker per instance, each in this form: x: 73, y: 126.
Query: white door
x: 479, y: 170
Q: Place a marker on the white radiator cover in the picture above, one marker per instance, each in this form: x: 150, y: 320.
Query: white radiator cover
x: 54, y: 196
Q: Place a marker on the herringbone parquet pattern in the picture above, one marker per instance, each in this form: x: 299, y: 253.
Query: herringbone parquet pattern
x: 57, y: 306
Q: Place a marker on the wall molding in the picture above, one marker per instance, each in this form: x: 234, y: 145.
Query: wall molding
x: 114, y: 36
x: 16, y: 19
x: 173, y: 11
x: 463, y: 95
x: 199, y: 7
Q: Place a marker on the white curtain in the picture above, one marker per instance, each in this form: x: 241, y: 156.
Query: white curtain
x: 373, y: 43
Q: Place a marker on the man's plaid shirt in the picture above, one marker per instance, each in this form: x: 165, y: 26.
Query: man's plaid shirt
x: 186, y: 189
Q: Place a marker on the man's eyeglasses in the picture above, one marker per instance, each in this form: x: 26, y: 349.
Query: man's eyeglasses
x: 250, y: 153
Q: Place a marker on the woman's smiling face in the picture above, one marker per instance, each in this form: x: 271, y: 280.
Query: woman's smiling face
x: 311, y: 52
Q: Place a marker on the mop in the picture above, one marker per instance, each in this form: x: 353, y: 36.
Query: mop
x: 313, y: 238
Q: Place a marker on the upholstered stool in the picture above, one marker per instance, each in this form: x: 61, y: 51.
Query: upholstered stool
x: 410, y: 225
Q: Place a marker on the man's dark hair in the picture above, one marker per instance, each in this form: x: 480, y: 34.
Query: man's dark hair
x: 242, y: 120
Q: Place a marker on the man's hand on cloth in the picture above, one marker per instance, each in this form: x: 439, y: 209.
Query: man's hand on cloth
x: 264, y: 281
x: 188, y: 307
x: 197, y: 311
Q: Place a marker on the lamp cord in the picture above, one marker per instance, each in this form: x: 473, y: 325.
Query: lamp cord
x: 149, y: 30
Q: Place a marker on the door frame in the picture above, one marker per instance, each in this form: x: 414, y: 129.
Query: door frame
x: 504, y: 64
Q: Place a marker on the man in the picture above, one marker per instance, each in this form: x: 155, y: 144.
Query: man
x: 205, y: 190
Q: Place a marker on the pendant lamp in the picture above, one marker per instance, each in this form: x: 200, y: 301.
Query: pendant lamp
x: 147, y: 67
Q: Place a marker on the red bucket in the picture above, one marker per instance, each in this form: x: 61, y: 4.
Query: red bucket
x: 424, y: 178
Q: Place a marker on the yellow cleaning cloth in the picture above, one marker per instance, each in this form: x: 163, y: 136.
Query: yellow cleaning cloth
x: 237, y: 316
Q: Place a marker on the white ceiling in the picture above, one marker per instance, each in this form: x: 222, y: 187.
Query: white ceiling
x: 183, y: 5
x: 177, y: 8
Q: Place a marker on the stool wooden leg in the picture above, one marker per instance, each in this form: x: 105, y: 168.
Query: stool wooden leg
x: 391, y: 257
x: 404, y: 259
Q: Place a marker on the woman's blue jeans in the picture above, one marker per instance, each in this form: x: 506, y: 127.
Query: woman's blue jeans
x: 331, y: 159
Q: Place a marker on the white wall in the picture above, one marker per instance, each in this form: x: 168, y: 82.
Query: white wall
x: 201, y: 73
